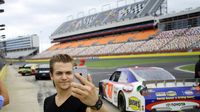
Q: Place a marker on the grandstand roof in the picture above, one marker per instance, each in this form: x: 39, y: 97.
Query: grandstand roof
x: 18, y: 54
x: 188, y: 11
x: 126, y: 15
x: 107, y: 26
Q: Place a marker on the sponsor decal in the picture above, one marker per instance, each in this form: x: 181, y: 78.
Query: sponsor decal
x: 110, y: 90
x: 160, y: 94
x: 115, y: 94
x: 175, y: 98
x: 115, y: 90
x: 188, y: 92
x: 104, y: 90
x: 171, y: 93
x: 115, y: 99
x: 134, y: 103
x: 173, y: 105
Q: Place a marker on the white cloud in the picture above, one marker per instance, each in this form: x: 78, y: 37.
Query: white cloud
x: 42, y: 17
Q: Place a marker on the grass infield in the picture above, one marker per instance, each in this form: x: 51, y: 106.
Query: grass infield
x: 190, y: 67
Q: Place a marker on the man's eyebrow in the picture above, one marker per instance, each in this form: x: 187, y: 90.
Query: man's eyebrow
x: 58, y: 71
x: 68, y: 71
x: 64, y: 71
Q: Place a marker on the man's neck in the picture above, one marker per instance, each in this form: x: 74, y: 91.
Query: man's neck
x: 64, y: 94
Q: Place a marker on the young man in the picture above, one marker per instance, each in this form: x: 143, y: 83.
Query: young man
x: 197, y: 69
x: 4, y: 98
x: 71, y: 96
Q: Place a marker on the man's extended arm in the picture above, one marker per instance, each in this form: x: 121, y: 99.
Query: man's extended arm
x: 87, y: 94
x: 4, y: 93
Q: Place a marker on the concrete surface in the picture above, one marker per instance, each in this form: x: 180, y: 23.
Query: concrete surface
x: 22, y: 93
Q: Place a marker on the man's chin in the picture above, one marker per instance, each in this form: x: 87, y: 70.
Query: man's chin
x: 65, y: 87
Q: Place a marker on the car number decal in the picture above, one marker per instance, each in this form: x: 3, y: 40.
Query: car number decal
x: 110, y: 89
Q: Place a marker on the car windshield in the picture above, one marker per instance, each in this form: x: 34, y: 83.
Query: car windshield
x: 44, y: 66
x: 154, y: 74
x: 28, y: 65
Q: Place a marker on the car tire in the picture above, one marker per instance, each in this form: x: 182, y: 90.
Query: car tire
x: 36, y: 78
x: 121, y: 102
x: 101, y: 91
x: 195, y: 109
x: 23, y: 74
x: 153, y: 110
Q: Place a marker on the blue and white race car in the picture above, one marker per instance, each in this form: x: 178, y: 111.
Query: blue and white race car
x: 150, y: 89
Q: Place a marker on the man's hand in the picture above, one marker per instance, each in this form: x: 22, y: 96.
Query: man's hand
x: 86, y: 91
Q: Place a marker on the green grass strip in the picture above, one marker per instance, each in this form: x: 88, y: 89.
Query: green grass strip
x: 190, y: 67
x: 113, y: 63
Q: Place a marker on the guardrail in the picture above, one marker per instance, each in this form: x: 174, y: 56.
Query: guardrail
x: 3, y: 72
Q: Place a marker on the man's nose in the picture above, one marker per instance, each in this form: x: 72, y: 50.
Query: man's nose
x: 64, y: 76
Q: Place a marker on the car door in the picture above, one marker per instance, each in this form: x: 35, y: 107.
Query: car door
x: 109, y: 89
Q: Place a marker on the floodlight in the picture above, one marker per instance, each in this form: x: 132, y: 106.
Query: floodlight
x: 2, y: 25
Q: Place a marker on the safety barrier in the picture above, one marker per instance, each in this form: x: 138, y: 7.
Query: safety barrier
x: 151, y: 55
x: 3, y: 72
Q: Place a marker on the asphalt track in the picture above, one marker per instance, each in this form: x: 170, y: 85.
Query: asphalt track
x: 99, y: 74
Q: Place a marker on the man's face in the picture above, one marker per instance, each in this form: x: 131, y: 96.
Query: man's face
x: 62, y: 75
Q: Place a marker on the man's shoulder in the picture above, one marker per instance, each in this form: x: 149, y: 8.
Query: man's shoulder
x: 198, y: 63
x: 72, y: 98
x: 50, y: 98
x: 76, y: 101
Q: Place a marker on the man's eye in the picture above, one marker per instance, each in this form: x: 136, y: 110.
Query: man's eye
x: 59, y: 73
x: 68, y: 73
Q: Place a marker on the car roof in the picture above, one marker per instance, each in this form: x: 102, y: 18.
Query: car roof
x: 151, y: 73
x: 44, y: 65
x: 139, y: 68
x: 30, y: 64
x: 134, y: 72
x: 145, y: 68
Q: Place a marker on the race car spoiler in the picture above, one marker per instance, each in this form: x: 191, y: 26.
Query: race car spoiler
x: 171, y: 83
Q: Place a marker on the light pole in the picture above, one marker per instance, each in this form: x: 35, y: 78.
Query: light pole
x: 2, y: 25
x: 2, y: 1
x: 2, y: 36
x: 2, y: 28
x: 1, y: 10
x: 2, y: 52
x: 2, y: 46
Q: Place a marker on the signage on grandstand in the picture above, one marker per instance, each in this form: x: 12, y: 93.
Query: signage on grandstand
x: 96, y: 21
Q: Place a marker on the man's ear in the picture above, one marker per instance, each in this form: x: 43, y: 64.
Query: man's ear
x: 51, y: 76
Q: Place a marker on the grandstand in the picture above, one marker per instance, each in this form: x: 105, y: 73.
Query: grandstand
x: 138, y: 28
x: 1, y: 45
x: 22, y: 46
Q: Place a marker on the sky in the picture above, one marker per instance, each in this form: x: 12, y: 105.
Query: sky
x: 42, y: 17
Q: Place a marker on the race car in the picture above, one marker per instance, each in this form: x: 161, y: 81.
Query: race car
x: 150, y: 89
x: 28, y: 69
